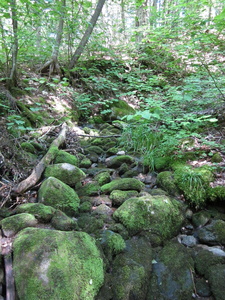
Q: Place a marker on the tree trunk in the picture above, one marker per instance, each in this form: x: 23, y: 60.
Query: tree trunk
x: 52, y: 66
x: 12, y: 77
x: 87, y: 34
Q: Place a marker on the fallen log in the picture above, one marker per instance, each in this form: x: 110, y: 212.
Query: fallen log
x: 31, y: 180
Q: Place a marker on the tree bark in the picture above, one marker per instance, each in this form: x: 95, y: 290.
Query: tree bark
x: 52, y: 66
x: 87, y: 34
x: 39, y: 169
x: 12, y: 77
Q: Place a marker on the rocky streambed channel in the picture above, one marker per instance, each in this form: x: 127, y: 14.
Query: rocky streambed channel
x: 101, y: 226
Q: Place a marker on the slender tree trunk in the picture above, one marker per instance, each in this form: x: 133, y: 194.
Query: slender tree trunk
x: 52, y: 66
x: 87, y: 34
x: 13, y: 72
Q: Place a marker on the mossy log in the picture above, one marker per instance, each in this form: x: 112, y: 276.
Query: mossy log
x: 45, y: 161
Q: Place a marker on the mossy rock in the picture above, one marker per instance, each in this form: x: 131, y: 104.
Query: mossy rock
x: 120, y: 109
x: 42, y: 212
x: 61, y: 221
x: 157, y: 216
x: 102, y: 178
x: 118, y: 197
x: 205, y: 260
x: 171, y: 277
x: 90, y: 224
x: 65, y: 157
x: 85, y: 163
x: 131, y: 270
x: 89, y: 189
x: 123, y: 184
x: 117, y: 161
x: 112, y: 243
x: 96, y: 149
x: 216, y: 158
x: 13, y: 224
x: 216, y: 193
x: 111, y: 151
x: 28, y: 147
x: 57, y: 194
x: 212, y: 234
x: 52, y: 264
x: 216, y: 281
x: 162, y: 163
x: 65, y: 172
x: 201, y: 218
x: 166, y: 181
x: 85, y: 207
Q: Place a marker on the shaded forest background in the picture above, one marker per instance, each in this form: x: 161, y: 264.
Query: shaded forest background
x: 164, y: 58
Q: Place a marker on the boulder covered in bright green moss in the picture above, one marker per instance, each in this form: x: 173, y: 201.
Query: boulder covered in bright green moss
x: 85, y: 163
x: 118, y: 197
x: 117, y: 161
x: 89, y: 189
x: 42, y: 212
x: 59, y: 195
x: 102, y: 178
x: 158, y: 217
x: 172, y: 274
x: 216, y: 193
x: 13, y: 224
x: 52, y: 264
x: 65, y: 157
x: 166, y: 181
x: 65, y: 172
x: 61, y: 221
x: 123, y: 184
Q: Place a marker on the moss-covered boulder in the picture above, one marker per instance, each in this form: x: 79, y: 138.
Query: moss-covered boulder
x: 206, y: 258
x: 89, y: 189
x: 65, y: 172
x: 120, y: 109
x: 96, y: 149
x: 131, y: 270
x: 216, y: 281
x: 102, y: 178
x: 13, y: 224
x: 118, y: 197
x: 123, y: 184
x: 112, y: 243
x: 59, y: 195
x: 90, y: 224
x: 213, y: 233
x: 117, y: 161
x: 61, y: 221
x: 158, y: 217
x: 85, y: 163
x: 217, y: 158
x: 65, y: 157
x: 166, y: 181
x: 172, y: 278
x: 216, y: 194
x: 43, y: 213
x: 201, y: 218
x: 51, y: 264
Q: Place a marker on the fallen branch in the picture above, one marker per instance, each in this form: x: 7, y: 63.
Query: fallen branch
x: 99, y: 136
x: 30, y: 181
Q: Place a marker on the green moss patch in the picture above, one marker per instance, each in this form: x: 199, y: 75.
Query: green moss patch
x: 52, y: 265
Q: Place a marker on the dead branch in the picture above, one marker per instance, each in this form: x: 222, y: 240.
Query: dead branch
x: 45, y: 161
